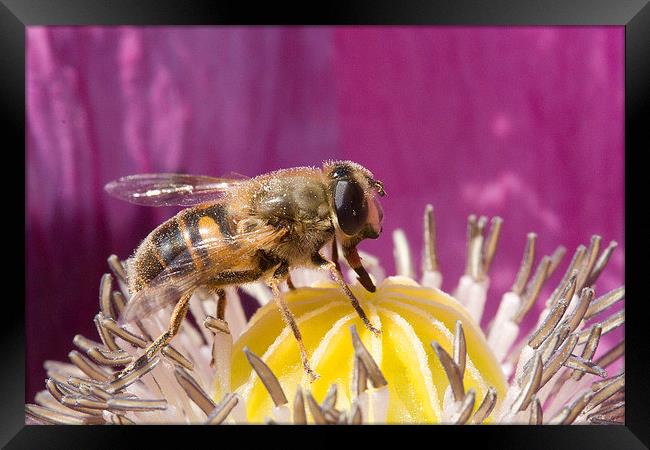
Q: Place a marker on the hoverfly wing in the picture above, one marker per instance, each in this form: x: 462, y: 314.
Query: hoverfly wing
x: 150, y: 300
x: 165, y: 290
x: 235, y: 176
x: 170, y: 189
x: 182, y: 276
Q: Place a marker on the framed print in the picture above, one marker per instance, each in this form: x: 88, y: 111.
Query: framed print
x: 362, y: 218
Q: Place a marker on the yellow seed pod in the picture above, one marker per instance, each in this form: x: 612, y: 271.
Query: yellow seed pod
x: 410, y: 317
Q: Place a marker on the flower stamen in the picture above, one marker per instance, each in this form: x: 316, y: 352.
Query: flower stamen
x: 452, y: 371
x: 194, y: 390
x: 601, y: 263
x: 463, y: 414
x: 269, y: 380
x: 223, y: 409
x: 536, y: 413
x: 430, y: 258
x: 299, y: 413
x: 555, y: 372
x: 373, y: 372
x: 486, y: 406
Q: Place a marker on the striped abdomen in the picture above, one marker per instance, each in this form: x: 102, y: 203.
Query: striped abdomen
x: 179, y: 240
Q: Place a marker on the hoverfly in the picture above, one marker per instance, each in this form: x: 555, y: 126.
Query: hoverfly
x: 240, y: 231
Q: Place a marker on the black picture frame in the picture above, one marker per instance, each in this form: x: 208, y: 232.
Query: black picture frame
x: 634, y: 15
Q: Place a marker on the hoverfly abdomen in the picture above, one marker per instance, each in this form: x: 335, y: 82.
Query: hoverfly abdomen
x: 192, y: 222
x: 181, y: 241
x: 167, y: 241
x: 215, y: 221
x: 143, y: 267
x: 163, y: 246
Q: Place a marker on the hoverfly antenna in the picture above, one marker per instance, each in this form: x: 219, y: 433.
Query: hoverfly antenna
x: 379, y: 186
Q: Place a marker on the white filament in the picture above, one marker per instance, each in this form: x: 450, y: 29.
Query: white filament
x: 431, y: 279
x: 379, y: 404
x: 282, y: 414
x: 504, y: 331
x: 402, y: 254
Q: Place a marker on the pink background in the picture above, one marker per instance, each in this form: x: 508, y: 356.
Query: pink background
x: 525, y: 123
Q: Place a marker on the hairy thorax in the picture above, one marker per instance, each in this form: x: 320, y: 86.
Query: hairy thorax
x: 299, y: 204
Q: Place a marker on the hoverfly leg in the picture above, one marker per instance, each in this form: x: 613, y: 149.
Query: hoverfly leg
x: 290, y: 283
x: 180, y: 310
x: 221, y: 314
x: 221, y: 304
x: 278, y: 276
x: 335, y: 254
x: 321, y: 262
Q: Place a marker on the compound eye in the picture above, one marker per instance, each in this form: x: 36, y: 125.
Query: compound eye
x: 350, y: 206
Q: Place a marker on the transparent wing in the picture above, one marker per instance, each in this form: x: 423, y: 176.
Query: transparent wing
x: 170, y: 189
x: 183, y: 275
x: 165, y: 290
x: 235, y: 176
